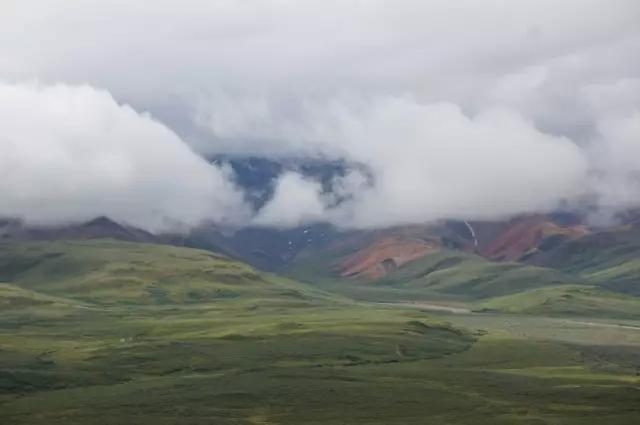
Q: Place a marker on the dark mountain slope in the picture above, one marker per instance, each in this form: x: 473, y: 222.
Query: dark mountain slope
x: 98, y: 228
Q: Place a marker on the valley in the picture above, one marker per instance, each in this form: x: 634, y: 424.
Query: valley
x: 285, y: 212
x: 103, y: 331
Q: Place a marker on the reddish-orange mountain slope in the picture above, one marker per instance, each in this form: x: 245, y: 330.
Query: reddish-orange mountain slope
x: 383, y: 256
x: 523, y: 235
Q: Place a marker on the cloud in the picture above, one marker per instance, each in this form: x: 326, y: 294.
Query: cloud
x: 71, y: 153
x: 431, y: 161
x: 478, y: 110
x: 296, y: 200
x: 291, y: 50
x: 616, y: 158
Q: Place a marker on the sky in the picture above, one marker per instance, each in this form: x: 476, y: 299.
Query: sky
x: 455, y: 109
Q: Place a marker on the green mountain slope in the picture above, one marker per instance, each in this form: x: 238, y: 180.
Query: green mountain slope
x: 569, y: 300
x: 610, y: 259
x: 438, y: 275
x: 114, y: 272
x: 13, y: 297
x: 470, y: 276
x: 595, y: 274
x: 105, y: 332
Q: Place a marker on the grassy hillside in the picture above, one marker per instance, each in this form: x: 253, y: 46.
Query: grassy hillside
x: 269, y: 363
x: 444, y: 274
x: 610, y: 259
x: 579, y: 301
x: 470, y: 276
x: 107, y: 332
x: 593, y: 276
x: 12, y: 297
x: 114, y: 272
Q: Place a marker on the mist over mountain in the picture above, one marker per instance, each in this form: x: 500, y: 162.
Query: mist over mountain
x: 320, y: 212
x: 430, y: 111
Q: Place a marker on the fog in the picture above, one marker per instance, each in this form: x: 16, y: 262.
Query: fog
x: 71, y: 154
x: 467, y: 109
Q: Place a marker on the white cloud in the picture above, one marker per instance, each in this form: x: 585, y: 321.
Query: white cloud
x: 72, y: 153
x: 476, y: 109
x: 616, y: 158
x: 295, y: 201
x: 431, y: 161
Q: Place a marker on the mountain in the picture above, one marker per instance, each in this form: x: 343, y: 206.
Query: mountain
x: 279, y: 249
x: 258, y: 175
x: 384, y: 256
x: 609, y: 258
x: 473, y: 259
x: 514, y: 239
x: 266, y: 248
x: 430, y: 272
x: 420, y: 322
x: 115, y: 272
x: 100, y: 227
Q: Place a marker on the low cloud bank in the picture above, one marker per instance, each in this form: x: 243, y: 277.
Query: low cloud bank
x: 478, y: 111
x: 428, y: 161
x: 72, y: 153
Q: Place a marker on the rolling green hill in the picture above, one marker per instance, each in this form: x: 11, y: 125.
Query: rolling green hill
x: 610, y: 259
x: 568, y: 300
x: 13, y: 297
x: 115, y: 272
x: 469, y: 276
x: 595, y: 275
x: 101, y: 332
x: 443, y: 274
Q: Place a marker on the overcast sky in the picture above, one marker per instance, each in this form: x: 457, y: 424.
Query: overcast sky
x: 458, y: 108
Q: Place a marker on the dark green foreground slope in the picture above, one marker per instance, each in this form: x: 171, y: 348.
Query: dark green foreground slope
x: 106, y: 332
